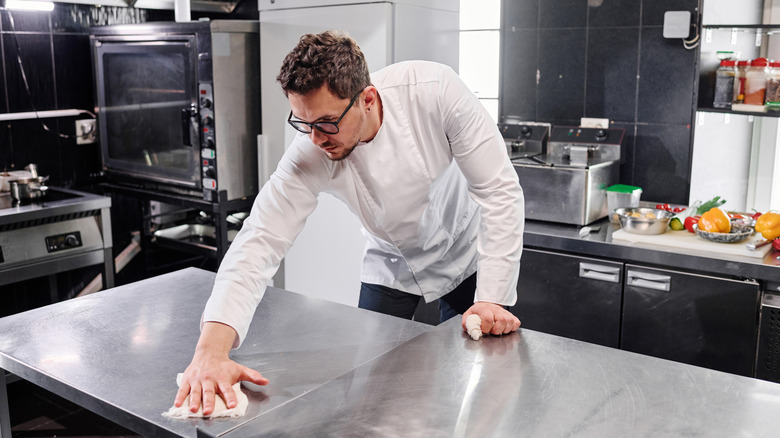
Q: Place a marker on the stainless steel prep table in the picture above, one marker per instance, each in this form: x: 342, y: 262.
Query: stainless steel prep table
x: 117, y: 352
x: 526, y: 384
x: 335, y: 371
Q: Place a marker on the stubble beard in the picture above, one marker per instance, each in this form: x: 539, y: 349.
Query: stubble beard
x: 342, y: 156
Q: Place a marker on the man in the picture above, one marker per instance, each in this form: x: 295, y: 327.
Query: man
x: 416, y: 157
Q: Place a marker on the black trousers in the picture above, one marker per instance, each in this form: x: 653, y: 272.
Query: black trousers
x: 394, y: 302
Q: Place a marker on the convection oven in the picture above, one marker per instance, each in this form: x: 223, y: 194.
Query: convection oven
x: 178, y: 106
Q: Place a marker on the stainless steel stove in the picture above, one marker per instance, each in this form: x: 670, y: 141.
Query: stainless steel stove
x: 64, y: 230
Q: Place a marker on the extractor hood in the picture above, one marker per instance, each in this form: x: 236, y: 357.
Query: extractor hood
x: 224, y: 6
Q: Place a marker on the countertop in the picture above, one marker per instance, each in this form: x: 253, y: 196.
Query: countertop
x: 117, y: 352
x: 340, y: 371
x: 599, y: 244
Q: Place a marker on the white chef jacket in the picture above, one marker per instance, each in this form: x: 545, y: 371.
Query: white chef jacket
x: 435, y: 191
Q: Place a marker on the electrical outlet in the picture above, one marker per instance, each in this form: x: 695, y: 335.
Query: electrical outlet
x: 86, y: 131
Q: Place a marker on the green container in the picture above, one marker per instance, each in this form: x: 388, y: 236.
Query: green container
x: 622, y: 196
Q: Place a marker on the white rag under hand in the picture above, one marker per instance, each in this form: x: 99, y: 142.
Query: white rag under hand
x: 474, y: 326
x: 220, y: 408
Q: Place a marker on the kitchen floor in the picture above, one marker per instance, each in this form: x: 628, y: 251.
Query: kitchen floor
x: 36, y: 412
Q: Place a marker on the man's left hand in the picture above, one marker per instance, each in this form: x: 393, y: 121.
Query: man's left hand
x: 495, y: 319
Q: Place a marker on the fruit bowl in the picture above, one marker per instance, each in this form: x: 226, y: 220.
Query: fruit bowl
x: 739, y: 232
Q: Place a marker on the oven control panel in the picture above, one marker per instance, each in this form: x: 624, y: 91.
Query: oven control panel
x: 63, y: 241
x: 208, y: 154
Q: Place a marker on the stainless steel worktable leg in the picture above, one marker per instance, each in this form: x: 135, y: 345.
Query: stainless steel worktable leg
x: 5, y: 414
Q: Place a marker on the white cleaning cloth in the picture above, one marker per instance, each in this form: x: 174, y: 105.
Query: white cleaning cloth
x: 220, y: 408
x: 474, y: 326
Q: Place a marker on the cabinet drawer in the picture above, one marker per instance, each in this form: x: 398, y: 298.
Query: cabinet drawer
x: 699, y: 320
x: 574, y: 297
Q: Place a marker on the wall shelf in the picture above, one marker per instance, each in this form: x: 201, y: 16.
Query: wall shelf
x: 742, y: 113
x: 740, y: 26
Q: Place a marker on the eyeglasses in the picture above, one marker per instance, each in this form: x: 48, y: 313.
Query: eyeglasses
x: 326, y: 127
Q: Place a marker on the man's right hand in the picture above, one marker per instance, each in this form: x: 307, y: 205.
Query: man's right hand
x: 211, y: 371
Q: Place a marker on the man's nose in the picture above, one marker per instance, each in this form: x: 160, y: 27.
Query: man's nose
x: 318, y: 137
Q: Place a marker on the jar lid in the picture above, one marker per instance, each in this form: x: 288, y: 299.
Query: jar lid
x: 774, y: 63
x: 623, y: 188
x: 759, y: 62
x: 729, y: 63
x: 742, y: 63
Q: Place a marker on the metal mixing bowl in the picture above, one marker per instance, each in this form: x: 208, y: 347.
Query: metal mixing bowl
x: 643, y: 224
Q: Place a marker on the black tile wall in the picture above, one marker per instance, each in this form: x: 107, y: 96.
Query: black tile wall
x: 37, y: 93
x: 666, y: 85
x: 3, y: 87
x: 25, y: 21
x: 612, y: 67
x: 519, y: 15
x: 661, y: 163
x: 73, y: 71
x: 606, y: 59
x: 562, y: 13
x: 653, y: 10
x: 520, y: 81
x: 561, y: 74
x: 613, y: 13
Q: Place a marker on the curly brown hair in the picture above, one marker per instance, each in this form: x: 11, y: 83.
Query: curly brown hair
x: 330, y: 57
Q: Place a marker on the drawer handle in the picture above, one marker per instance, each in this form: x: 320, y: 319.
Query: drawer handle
x: 649, y: 281
x: 600, y: 272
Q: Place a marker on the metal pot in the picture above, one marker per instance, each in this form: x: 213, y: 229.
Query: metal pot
x: 28, y: 189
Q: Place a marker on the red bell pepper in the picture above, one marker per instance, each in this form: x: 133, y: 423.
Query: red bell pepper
x: 690, y: 221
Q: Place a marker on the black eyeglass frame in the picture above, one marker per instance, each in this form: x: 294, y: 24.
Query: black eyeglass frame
x: 299, y: 124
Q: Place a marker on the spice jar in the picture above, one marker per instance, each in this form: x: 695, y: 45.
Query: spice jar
x: 739, y: 81
x: 724, y: 84
x: 773, y: 83
x: 755, y: 82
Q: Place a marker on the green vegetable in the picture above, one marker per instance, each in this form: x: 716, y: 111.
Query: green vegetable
x: 679, y: 219
x: 676, y: 224
x: 712, y: 203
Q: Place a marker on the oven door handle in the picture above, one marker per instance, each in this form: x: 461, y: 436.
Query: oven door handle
x: 188, y: 115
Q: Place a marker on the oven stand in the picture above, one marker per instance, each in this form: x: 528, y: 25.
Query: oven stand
x: 219, y: 211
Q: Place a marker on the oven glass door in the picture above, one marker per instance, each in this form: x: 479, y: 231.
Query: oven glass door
x: 147, y: 94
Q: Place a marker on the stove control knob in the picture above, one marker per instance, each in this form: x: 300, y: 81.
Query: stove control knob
x: 525, y: 131
x: 208, y: 120
x: 71, y: 241
x: 601, y: 134
x: 205, y: 102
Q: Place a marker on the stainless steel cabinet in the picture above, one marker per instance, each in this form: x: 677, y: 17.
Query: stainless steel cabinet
x: 694, y: 319
x: 570, y: 296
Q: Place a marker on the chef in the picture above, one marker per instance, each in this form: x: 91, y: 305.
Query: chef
x: 412, y: 152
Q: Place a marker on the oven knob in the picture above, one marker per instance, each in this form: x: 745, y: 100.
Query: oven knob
x: 525, y: 131
x: 208, y: 120
x: 210, y: 143
x: 205, y: 102
x: 601, y: 134
x: 71, y: 241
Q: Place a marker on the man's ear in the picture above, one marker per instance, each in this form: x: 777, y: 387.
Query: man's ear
x: 371, y: 97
